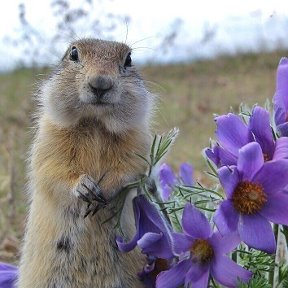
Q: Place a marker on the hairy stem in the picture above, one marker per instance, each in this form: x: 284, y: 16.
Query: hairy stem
x: 272, y: 270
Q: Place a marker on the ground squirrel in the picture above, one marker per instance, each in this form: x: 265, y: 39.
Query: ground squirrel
x: 92, y: 122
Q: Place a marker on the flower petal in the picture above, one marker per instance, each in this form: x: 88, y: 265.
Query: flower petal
x: 281, y: 94
x: 8, y: 275
x: 181, y: 243
x: 148, y: 220
x: 151, y: 220
x: 220, y: 156
x: 252, y: 228
x: 226, y: 217
x: 280, y: 114
x: 7, y: 267
x: 227, y: 272
x: 281, y: 149
x: 167, y: 180
x: 229, y: 178
x: 213, y: 155
x: 195, y: 272
x: 167, y: 175
x: 259, y: 124
x: 276, y: 208
x: 126, y: 247
x: 197, y: 275
x: 151, y: 244
x: 280, y: 98
x: 173, y: 277
x: 232, y: 133
x: 194, y: 223
x: 186, y: 173
x: 224, y: 244
x: 273, y: 176
x: 226, y: 158
x: 250, y: 160
x: 283, y: 128
x: 201, y: 282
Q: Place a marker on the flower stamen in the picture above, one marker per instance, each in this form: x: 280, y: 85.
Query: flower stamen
x: 266, y: 157
x: 202, y: 251
x: 248, y: 198
x: 160, y: 265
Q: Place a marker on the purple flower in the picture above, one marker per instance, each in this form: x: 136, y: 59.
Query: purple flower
x: 205, y: 254
x: 220, y: 156
x: 281, y: 97
x: 8, y: 275
x: 153, y: 234
x: 151, y: 270
x: 232, y: 134
x: 255, y: 196
x: 168, y: 179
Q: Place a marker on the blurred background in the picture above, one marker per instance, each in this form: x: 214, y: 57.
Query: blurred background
x: 199, y: 59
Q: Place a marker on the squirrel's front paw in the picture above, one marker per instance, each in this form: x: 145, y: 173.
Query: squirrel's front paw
x: 90, y: 192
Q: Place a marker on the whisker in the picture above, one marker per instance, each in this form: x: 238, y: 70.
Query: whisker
x: 141, y: 40
x: 144, y: 47
x: 127, y: 30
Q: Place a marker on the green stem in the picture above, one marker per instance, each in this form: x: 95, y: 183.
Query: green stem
x: 150, y: 170
x: 213, y: 282
x: 234, y: 256
x: 275, y: 230
x: 272, y: 270
x: 161, y: 206
x: 285, y: 232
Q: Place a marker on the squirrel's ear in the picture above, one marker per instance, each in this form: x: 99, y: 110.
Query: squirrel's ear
x: 65, y: 55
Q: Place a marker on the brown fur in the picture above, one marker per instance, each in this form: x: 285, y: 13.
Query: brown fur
x: 61, y: 248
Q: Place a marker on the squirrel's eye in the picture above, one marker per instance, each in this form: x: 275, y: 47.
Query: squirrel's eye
x: 128, y: 61
x: 74, y: 54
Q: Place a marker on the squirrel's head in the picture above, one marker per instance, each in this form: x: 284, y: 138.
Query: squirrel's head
x: 97, y: 80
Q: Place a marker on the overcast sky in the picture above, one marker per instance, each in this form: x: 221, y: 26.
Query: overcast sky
x: 235, y: 24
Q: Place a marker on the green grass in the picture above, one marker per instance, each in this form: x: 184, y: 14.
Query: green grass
x: 188, y: 97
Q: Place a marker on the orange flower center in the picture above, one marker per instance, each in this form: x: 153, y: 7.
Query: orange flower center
x: 160, y: 265
x: 202, y: 252
x: 248, y: 198
x: 266, y: 157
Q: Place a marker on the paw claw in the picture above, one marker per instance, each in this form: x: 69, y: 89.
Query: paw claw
x: 83, y: 197
x: 96, y: 194
x: 89, y: 191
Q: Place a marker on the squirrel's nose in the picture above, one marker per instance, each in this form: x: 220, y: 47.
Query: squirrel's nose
x: 100, y: 84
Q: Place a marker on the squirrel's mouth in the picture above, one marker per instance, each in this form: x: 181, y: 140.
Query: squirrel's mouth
x: 97, y: 102
x: 100, y: 103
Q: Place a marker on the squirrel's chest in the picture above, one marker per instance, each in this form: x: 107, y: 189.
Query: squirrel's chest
x: 95, y: 158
